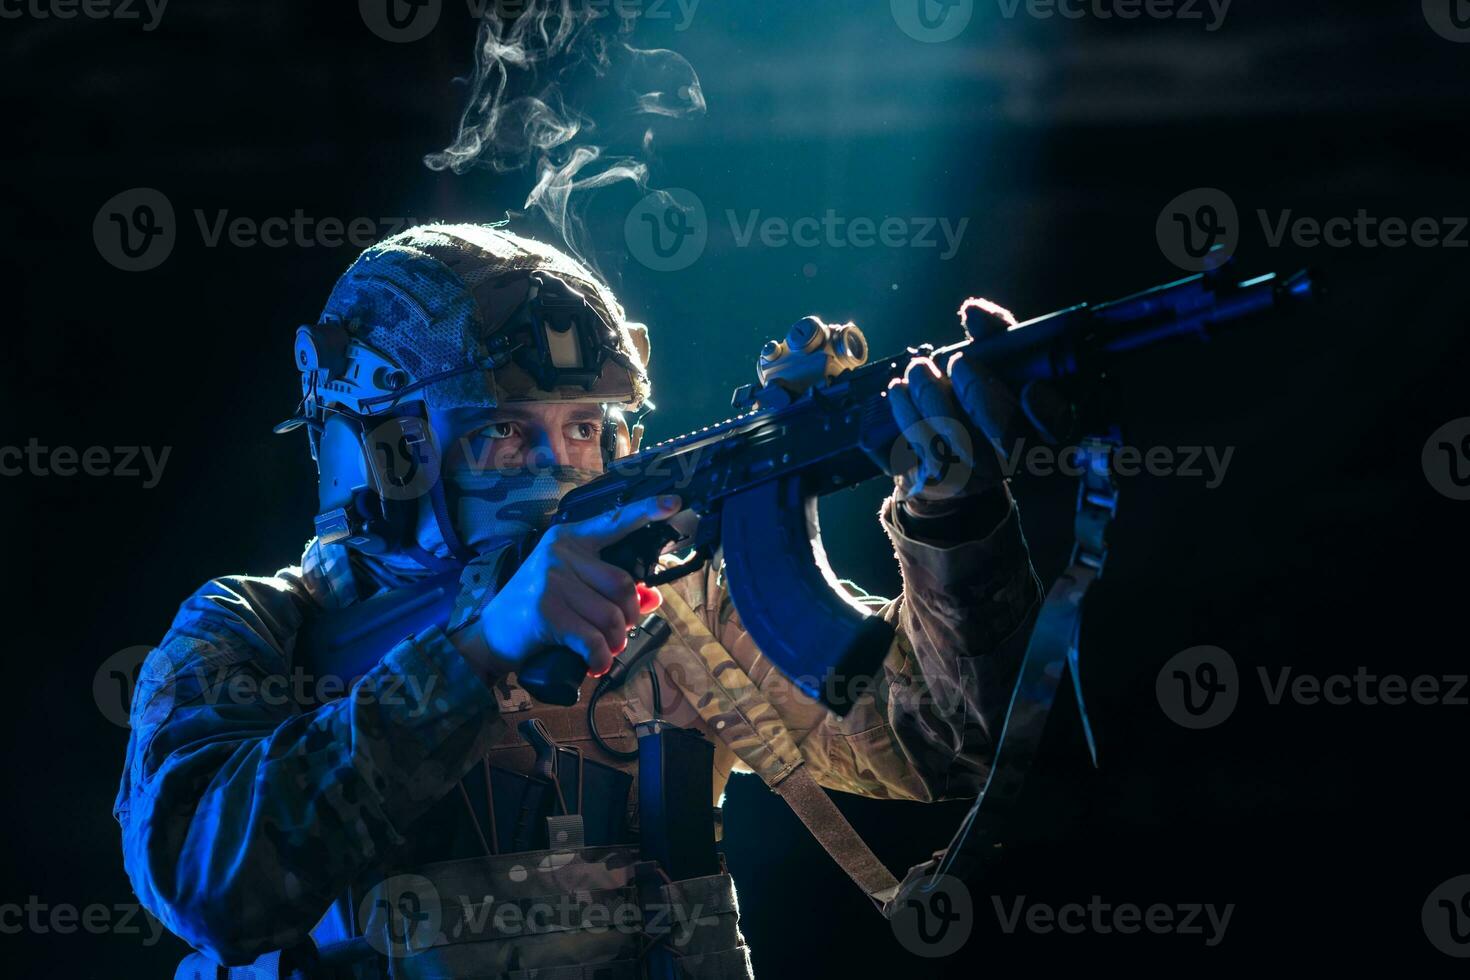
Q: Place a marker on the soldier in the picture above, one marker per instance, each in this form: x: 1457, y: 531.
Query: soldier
x: 388, y: 828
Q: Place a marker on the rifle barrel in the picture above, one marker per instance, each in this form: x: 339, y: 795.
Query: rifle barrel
x: 1065, y: 343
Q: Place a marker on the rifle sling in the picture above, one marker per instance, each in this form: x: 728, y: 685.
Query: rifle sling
x: 741, y: 716
x: 1052, y: 649
x: 838, y: 837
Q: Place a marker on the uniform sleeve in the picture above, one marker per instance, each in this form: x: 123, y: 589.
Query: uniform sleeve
x: 927, y: 728
x: 250, y: 801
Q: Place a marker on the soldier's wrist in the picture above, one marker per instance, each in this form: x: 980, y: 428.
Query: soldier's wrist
x: 469, y: 639
x: 959, y: 518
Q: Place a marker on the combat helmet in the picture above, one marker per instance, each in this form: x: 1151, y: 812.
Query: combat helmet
x: 447, y: 316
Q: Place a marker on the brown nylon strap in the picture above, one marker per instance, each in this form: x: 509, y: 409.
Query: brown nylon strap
x: 566, y: 724
x: 755, y: 731
x: 815, y: 809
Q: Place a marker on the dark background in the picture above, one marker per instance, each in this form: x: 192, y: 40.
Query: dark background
x: 1324, y: 549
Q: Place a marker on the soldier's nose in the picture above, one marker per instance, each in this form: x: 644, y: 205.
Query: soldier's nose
x: 543, y: 456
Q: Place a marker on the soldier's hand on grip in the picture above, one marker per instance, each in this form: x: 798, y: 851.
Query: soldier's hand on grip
x: 564, y: 594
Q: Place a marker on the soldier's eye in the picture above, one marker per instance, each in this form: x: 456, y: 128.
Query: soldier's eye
x: 583, y: 431
x: 498, y: 430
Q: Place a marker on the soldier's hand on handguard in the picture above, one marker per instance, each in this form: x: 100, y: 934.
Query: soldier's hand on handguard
x: 565, y: 595
x: 956, y: 421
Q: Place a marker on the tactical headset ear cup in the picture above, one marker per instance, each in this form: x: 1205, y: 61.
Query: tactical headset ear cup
x: 609, y: 441
x: 350, y: 478
x: 614, y: 443
x: 617, y: 439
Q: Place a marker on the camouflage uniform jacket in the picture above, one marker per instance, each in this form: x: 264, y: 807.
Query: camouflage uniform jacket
x: 248, y: 810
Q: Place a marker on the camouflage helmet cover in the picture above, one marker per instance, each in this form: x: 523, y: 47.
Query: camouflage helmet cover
x: 434, y: 297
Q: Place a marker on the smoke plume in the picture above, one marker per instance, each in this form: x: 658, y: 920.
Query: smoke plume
x: 533, y: 58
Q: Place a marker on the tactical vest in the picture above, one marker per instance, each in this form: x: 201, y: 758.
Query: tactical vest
x: 459, y: 900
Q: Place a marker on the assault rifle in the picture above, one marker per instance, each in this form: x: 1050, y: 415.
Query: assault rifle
x: 751, y: 483
x: 817, y: 423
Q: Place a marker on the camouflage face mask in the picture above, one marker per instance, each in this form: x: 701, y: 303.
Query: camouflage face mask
x: 492, y: 507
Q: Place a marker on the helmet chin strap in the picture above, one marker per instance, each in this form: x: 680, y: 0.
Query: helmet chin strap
x: 451, y: 537
x: 423, y: 553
